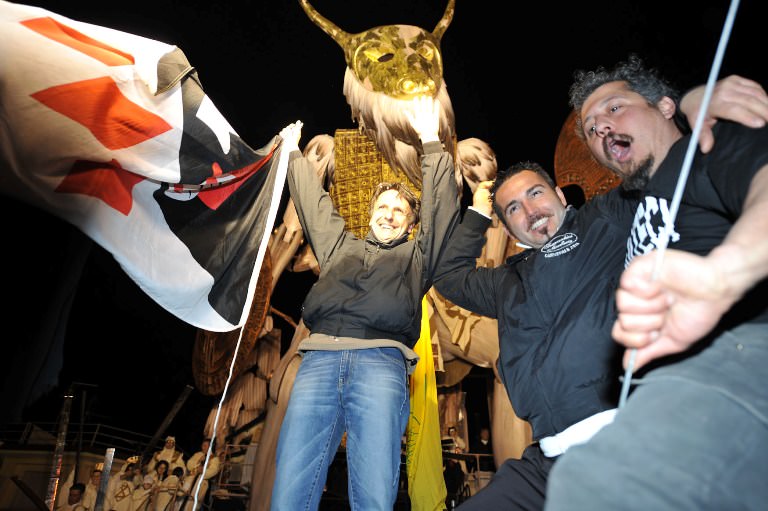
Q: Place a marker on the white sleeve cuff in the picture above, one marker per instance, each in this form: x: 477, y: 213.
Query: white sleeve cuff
x: 478, y: 212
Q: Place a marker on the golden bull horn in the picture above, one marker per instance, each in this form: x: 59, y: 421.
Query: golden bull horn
x: 400, y: 61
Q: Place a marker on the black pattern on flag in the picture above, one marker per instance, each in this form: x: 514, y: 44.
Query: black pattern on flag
x: 113, y: 133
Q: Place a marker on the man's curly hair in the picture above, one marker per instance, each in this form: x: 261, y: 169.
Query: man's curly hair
x: 645, y: 81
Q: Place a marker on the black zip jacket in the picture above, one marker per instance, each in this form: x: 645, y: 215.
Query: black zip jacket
x: 555, y: 309
x: 367, y: 289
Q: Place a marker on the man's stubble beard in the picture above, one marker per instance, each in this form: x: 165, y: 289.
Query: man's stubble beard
x: 639, y: 179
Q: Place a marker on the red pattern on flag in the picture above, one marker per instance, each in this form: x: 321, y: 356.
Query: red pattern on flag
x: 109, y: 182
x: 63, y: 34
x: 215, y: 197
x: 122, y: 125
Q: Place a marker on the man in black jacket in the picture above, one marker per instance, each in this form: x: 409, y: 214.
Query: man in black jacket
x: 694, y: 433
x: 550, y: 303
x: 555, y: 308
x: 364, y: 314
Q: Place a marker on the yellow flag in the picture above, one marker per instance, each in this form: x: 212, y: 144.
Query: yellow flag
x: 424, y: 457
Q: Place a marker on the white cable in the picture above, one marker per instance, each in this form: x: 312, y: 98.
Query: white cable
x: 280, y: 174
x: 683, y: 177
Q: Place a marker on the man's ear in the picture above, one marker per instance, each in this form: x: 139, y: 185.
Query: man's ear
x: 560, y: 194
x: 504, y: 226
x: 667, y: 107
x: 410, y: 228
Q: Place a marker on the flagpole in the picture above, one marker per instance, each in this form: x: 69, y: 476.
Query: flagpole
x: 61, y: 440
x: 279, y: 180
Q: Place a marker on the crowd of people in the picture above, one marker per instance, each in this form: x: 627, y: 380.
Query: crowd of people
x: 585, y: 287
x: 165, y: 482
x: 556, y: 304
x: 364, y: 314
x: 567, y: 304
x: 667, y: 282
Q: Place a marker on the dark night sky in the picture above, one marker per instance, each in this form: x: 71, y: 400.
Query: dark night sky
x: 508, y: 66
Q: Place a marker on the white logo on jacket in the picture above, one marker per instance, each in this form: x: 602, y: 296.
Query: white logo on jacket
x: 560, y: 244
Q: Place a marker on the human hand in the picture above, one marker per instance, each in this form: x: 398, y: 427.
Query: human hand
x: 481, y: 199
x: 669, y: 314
x: 733, y: 98
x: 291, y: 135
x: 424, y: 116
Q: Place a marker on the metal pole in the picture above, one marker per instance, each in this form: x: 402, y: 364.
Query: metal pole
x: 106, y: 470
x: 61, y: 440
x: 79, y: 437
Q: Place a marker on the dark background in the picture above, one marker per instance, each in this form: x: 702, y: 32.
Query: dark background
x: 508, y: 66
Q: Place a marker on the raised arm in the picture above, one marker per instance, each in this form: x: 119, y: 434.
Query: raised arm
x: 457, y: 277
x: 322, y: 225
x: 733, y: 98
x: 440, y: 204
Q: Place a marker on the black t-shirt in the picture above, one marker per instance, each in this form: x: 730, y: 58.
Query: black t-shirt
x: 712, y: 200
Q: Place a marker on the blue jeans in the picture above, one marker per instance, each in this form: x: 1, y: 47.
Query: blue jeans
x: 363, y: 392
x: 692, y: 436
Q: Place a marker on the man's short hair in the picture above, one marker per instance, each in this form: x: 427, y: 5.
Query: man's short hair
x: 404, y: 192
x: 503, y: 175
x: 78, y: 486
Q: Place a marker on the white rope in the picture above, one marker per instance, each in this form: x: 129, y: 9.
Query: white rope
x: 683, y: 177
x: 280, y: 174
